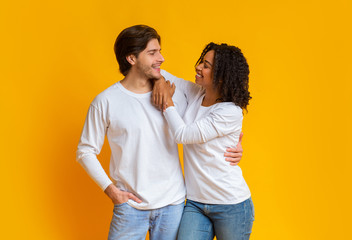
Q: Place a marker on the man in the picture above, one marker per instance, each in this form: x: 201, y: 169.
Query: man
x: 147, y: 186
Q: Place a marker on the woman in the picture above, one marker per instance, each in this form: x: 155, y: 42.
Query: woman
x: 218, y: 198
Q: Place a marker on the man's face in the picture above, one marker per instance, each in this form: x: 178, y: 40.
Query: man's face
x: 149, y: 60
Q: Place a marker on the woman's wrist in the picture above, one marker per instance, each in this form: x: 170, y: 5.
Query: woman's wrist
x: 170, y: 103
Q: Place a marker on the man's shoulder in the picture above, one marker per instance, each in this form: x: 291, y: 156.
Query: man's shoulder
x: 172, y: 78
x: 164, y: 73
x: 187, y: 87
x: 106, y: 95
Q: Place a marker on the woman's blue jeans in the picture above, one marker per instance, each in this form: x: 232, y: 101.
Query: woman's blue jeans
x: 226, y: 222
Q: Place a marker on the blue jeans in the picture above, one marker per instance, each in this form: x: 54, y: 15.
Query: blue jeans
x: 133, y: 224
x: 203, y: 221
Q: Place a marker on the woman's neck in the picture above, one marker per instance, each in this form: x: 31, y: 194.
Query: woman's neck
x: 211, y: 97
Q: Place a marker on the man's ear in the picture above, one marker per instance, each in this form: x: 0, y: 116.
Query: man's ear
x: 131, y: 59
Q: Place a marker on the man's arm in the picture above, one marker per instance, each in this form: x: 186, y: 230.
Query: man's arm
x: 118, y: 197
x: 91, y: 142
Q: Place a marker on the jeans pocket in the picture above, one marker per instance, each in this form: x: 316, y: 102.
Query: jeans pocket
x: 119, y: 205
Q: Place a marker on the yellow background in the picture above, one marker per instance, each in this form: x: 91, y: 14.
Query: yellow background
x: 56, y: 56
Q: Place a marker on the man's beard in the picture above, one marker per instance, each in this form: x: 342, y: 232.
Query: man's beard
x: 144, y: 70
x: 152, y: 78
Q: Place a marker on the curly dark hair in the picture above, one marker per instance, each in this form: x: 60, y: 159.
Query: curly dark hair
x: 230, y: 73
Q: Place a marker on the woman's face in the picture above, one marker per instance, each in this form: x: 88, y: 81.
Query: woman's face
x: 204, y: 76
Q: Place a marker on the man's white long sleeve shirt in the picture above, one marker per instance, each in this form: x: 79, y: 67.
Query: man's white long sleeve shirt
x: 144, y: 155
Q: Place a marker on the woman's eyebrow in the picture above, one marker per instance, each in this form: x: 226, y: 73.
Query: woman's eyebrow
x: 208, y: 62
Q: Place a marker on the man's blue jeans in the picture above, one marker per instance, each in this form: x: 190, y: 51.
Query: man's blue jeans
x: 203, y: 221
x: 129, y: 223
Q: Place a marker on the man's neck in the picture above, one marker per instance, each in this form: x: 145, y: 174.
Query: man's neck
x: 137, y: 84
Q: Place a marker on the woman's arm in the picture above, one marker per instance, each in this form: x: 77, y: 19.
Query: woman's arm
x: 161, y: 92
x: 161, y: 99
x: 222, y: 121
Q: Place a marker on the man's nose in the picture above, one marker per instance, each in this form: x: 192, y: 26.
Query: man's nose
x: 161, y: 58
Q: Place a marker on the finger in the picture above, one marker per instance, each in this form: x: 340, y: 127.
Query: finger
x: 233, y: 163
x: 156, y: 99
x: 164, y: 103
x: 160, y: 103
x: 134, y: 198
x: 233, y: 160
x: 173, y: 86
x: 239, y: 144
x: 233, y: 154
x: 241, y: 136
x: 233, y: 150
x: 153, y: 98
